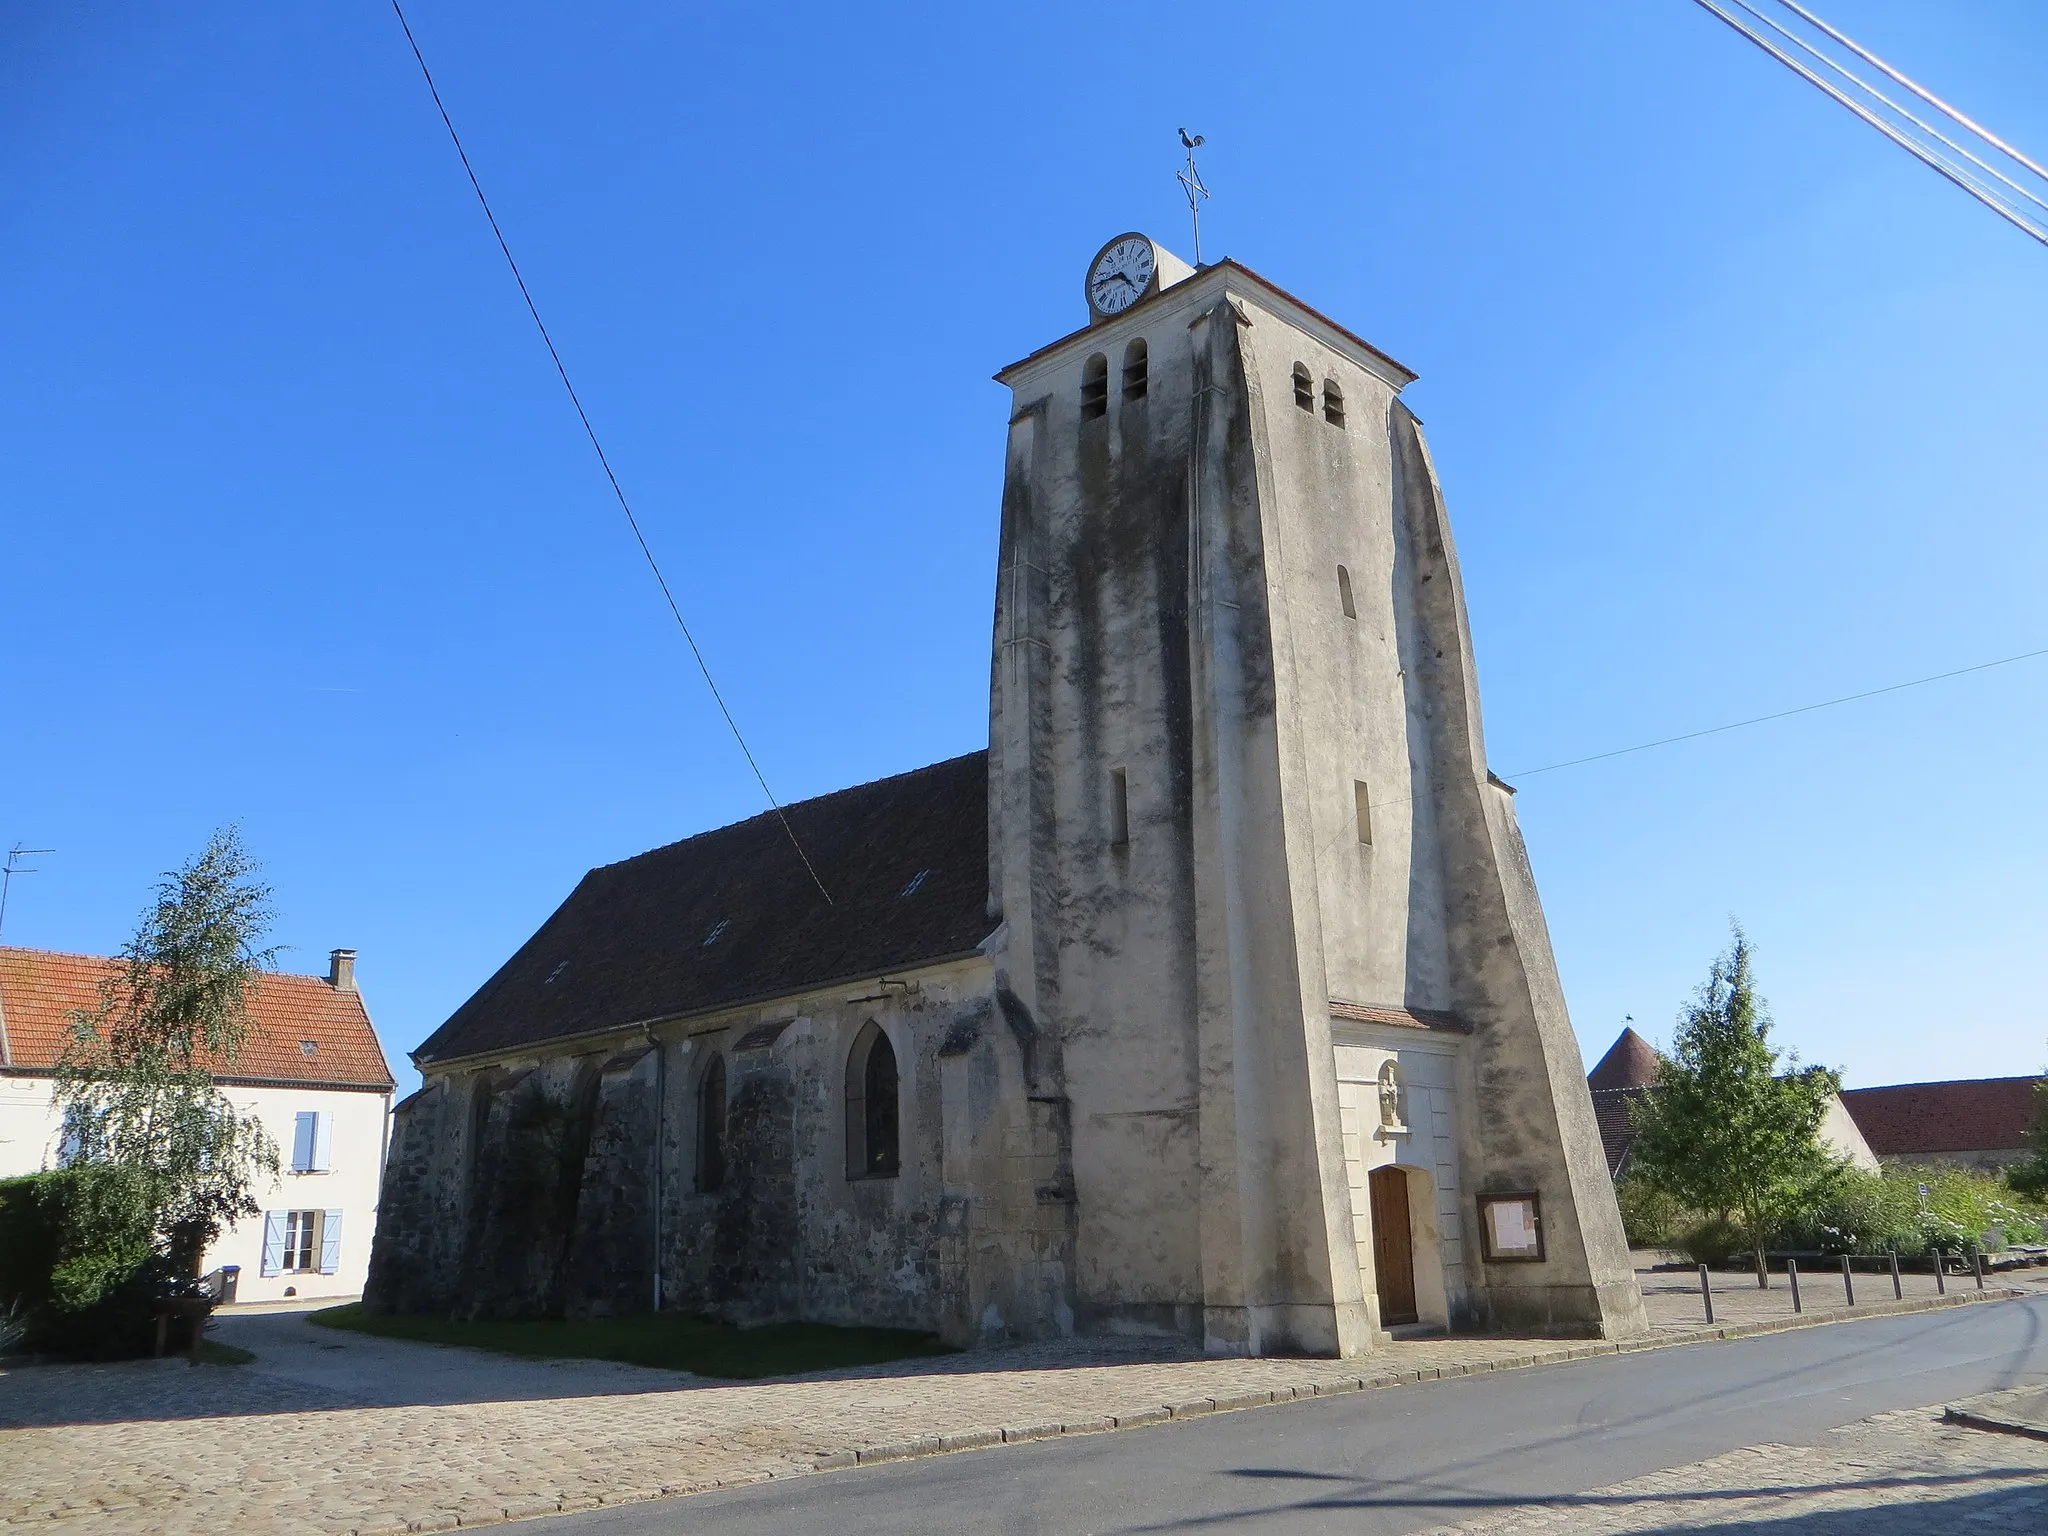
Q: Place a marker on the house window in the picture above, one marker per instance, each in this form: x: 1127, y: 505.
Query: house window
x: 1095, y: 387
x: 313, y: 1141
x: 1119, y: 808
x: 711, y: 1126
x: 301, y: 1242
x: 1344, y: 593
x: 1363, y: 797
x: 1304, y: 388
x: 1333, y: 403
x: 1135, y: 362
x: 871, y: 1106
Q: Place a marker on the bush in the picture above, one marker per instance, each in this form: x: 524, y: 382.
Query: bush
x: 1649, y: 1217
x: 67, y: 1286
x: 1962, y: 1213
x: 1713, y: 1242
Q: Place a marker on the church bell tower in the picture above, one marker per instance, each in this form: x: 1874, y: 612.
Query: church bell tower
x: 1267, y: 916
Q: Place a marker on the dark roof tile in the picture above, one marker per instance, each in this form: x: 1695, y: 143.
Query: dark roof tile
x: 732, y: 915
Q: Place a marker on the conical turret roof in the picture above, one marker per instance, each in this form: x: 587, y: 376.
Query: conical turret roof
x: 1631, y: 1062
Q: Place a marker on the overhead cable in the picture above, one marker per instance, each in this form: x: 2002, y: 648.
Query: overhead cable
x: 603, y: 460
x: 2007, y: 192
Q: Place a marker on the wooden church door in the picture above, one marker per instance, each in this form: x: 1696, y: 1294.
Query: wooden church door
x: 1393, y: 1250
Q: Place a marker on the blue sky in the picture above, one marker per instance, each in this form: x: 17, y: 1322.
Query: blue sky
x: 1737, y: 408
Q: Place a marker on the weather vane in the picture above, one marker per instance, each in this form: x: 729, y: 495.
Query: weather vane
x: 1190, y: 181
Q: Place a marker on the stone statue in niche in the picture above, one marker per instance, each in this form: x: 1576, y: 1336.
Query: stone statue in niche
x: 1392, y: 1121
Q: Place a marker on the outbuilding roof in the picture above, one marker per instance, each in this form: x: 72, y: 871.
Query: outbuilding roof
x: 1986, y: 1114
x: 731, y: 916
x: 1631, y: 1062
x: 304, y: 1030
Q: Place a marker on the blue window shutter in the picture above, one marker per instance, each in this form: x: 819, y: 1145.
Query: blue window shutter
x: 273, y: 1241
x: 330, y: 1242
x: 303, y: 1133
x: 323, y: 1141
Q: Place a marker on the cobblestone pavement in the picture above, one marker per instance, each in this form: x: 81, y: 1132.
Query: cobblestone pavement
x: 1895, y: 1474
x: 408, y: 1436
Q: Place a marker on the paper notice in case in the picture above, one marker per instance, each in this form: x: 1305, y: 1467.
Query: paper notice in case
x: 1513, y: 1224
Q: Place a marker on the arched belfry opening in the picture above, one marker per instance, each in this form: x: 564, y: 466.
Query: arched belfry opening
x: 872, y: 1106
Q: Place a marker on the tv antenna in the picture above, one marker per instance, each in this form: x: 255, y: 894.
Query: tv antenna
x: 12, y: 868
x: 1190, y: 181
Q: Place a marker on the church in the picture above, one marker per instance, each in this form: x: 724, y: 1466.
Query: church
x: 1213, y: 1000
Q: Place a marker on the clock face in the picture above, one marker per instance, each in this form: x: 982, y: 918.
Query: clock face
x: 1122, y: 274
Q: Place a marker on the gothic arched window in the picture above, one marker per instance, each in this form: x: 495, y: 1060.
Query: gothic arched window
x: 1304, y: 388
x: 1136, y: 362
x: 711, y: 1126
x: 871, y: 1106
x: 1095, y: 387
x: 1333, y: 403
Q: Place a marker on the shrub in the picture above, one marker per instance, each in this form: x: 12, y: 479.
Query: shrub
x: 70, y: 1285
x: 1713, y: 1242
x: 1649, y: 1217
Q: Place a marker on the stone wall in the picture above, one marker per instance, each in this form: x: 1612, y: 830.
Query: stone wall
x: 546, y: 1185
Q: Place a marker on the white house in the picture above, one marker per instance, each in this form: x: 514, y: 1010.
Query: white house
x: 312, y: 1071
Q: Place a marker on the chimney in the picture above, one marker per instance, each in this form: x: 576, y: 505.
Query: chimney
x: 341, y: 970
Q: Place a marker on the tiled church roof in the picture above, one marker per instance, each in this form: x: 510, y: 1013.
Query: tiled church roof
x: 1990, y: 1114
x: 731, y: 915
x: 40, y: 988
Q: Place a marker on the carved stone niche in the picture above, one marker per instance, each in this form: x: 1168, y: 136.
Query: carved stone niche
x: 1393, y: 1102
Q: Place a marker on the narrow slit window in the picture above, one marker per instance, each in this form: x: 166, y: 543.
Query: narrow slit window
x: 1095, y: 387
x: 1304, y: 388
x: 1119, y: 808
x: 1344, y: 593
x: 1363, y: 796
x: 711, y: 1126
x: 872, y: 1090
x: 1136, y: 360
x: 1333, y: 403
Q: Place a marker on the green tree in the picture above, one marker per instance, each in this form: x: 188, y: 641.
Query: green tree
x: 162, y: 1160
x: 1725, y: 1130
x: 2030, y: 1174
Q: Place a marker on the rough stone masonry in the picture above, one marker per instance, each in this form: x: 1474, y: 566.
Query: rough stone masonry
x: 1214, y: 999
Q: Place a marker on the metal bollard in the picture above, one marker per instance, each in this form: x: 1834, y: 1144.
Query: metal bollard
x: 1940, y: 1274
x: 1979, y: 1260
x: 1898, y: 1285
x: 1792, y: 1274
x: 1707, y: 1294
x: 1848, y: 1285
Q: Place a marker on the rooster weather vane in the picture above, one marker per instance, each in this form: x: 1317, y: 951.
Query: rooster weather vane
x: 1190, y: 181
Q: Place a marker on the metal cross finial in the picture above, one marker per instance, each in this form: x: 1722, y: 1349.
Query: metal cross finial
x: 15, y: 867
x: 1190, y: 181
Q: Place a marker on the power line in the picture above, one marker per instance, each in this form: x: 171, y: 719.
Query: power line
x: 605, y: 462
x: 1782, y: 714
x: 1716, y: 730
x: 1875, y: 103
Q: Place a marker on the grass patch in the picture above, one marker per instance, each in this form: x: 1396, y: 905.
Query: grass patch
x: 213, y: 1352
x: 667, y: 1341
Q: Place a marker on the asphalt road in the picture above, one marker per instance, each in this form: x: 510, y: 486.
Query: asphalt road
x: 1394, y: 1460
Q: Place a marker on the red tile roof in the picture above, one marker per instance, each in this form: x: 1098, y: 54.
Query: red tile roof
x: 1406, y: 1018
x: 40, y: 988
x: 1988, y: 1114
x: 1631, y: 1062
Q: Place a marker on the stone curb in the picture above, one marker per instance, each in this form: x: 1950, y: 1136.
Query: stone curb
x: 981, y: 1439
x: 1969, y: 1420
